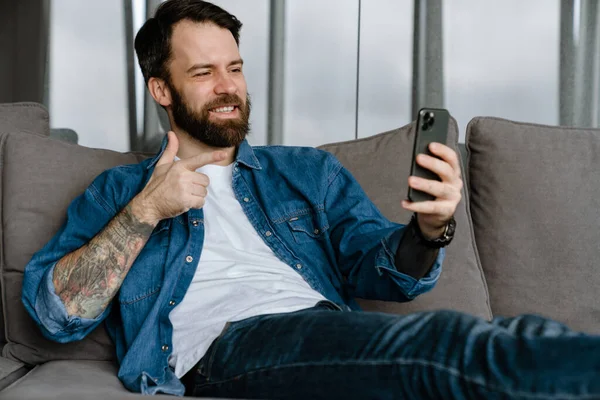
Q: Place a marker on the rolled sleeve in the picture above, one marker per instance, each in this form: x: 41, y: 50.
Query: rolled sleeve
x: 87, y: 215
x: 366, y: 243
x: 54, y: 320
x: 411, y: 287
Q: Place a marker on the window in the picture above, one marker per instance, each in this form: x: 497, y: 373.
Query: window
x: 385, y: 76
x: 502, y: 59
x: 320, y: 76
x: 87, y: 72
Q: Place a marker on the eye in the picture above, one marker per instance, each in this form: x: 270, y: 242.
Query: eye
x: 236, y: 69
x: 201, y: 74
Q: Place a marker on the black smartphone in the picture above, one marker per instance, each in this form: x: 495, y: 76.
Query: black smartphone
x: 432, y: 126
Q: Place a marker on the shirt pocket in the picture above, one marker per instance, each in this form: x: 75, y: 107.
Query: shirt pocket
x: 308, y: 227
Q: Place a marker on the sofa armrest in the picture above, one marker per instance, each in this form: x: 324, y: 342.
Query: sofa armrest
x: 10, y: 371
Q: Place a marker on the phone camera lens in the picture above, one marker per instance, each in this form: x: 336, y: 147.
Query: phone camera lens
x: 428, y: 120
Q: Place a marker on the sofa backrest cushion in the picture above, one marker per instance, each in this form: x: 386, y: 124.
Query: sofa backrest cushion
x: 535, y: 202
x: 381, y: 164
x: 29, y: 117
x: 40, y: 176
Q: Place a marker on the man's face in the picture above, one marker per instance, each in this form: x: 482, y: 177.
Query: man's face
x: 209, y: 98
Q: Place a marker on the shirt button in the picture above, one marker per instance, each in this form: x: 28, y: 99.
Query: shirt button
x: 268, y: 233
x: 164, y: 348
x: 316, y: 231
x: 299, y: 266
x: 246, y: 199
x: 236, y: 169
x: 195, y: 222
x: 189, y: 259
x: 171, y: 303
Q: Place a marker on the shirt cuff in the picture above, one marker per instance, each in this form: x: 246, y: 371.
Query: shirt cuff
x: 410, y: 286
x: 53, y: 315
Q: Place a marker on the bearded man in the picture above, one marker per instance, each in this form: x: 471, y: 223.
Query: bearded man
x: 222, y: 269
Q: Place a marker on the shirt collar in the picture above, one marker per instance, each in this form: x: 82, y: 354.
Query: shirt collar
x: 245, y: 155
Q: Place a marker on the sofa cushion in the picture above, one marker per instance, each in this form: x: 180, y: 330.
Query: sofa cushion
x: 10, y: 371
x: 40, y: 176
x: 71, y: 380
x: 535, y: 202
x: 31, y: 117
x: 381, y: 164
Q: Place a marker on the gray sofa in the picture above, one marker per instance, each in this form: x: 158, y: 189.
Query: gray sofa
x: 526, y: 240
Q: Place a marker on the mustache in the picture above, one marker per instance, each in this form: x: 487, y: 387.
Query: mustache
x: 224, y: 100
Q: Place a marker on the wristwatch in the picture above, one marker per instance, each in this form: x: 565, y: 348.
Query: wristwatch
x: 439, y: 242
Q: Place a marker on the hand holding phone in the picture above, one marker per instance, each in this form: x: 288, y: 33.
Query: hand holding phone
x: 435, y: 183
x: 432, y: 126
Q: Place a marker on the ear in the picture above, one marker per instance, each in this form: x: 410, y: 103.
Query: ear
x: 159, y: 91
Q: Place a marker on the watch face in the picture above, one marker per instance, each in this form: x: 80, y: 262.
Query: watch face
x: 451, y: 227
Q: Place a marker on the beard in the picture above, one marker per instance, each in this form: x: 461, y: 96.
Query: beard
x: 221, y: 134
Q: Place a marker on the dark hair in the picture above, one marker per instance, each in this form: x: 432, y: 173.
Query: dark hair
x: 153, y: 41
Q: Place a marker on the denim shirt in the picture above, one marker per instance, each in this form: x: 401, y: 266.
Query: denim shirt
x: 308, y: 209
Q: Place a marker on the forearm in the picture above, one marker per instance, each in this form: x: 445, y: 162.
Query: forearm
x: 413, y: 257
x: 87, y: 279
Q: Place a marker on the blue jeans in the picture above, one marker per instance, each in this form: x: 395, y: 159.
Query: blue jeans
x: 324, y: 353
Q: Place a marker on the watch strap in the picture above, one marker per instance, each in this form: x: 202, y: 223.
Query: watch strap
x: 437, y: 243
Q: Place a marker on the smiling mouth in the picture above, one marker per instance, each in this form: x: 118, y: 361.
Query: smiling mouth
x: 223, y: 109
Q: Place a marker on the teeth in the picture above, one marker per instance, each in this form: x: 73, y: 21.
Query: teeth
x: 224, y: 109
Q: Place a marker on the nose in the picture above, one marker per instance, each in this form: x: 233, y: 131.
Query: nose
x: 225, y: 84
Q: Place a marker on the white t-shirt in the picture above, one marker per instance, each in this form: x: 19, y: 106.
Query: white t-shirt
x: 238, y: 276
